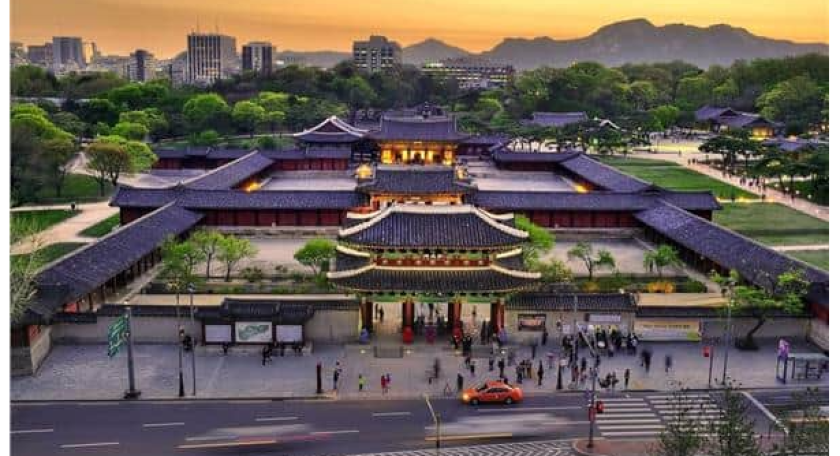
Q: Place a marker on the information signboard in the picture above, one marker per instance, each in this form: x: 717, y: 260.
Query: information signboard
x: 253, y: 332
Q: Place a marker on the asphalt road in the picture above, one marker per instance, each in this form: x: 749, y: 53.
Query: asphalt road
x: 327, y: 427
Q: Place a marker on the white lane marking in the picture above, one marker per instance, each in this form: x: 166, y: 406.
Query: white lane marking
x: 628, y: 409
x: 690, y: 412
x: 622, y: 399
x: 88, y: 445
x: 665, y: 396
x: 204, y: 438
x: 155, y: 425
x: 764, y: 410
x: 91, y: 404
x: 348, y: 431
x: 623, y: 405
x: 250, y: 401
x: 226, y: 444
x: 276, y: 418
x: 32, y: 431
x: 378, y: 414
x: 629, y: 415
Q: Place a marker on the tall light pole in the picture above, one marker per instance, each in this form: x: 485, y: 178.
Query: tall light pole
x: 174, y: 284
x: 730, y: 285
x: 191, y: 290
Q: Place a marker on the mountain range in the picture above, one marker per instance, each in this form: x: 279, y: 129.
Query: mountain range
x: 631, y: 41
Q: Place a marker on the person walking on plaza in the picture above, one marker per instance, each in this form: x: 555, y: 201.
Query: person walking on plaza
x: 669, y: 363
x: 336, y: 374
x: 460, y: 382
x: 383, y: 383
x: 491, y: 362
x: 540, y: 373
x: 501, y: 368
x: 626, y: 378
x: 472, y: 368
x: 361, y: 382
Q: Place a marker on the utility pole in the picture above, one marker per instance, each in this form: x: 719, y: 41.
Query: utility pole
x: 575, y: 327
x: 729, y: 288
x: 711, y: 363
x: 592, y: 411
x: 178, y: 331
x: 436, y: 418
x: 132, y: 392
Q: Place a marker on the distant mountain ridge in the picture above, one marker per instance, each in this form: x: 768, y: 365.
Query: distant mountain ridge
x: 631, y: 41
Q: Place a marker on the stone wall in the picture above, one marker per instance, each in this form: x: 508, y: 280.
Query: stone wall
x: 774, y: 328
x: 818, y: 333
x: 27, y: 360
x: 147, y: 330
x: 515, y: 335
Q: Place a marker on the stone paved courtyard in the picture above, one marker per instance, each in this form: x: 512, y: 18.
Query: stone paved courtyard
x: 85, y: 372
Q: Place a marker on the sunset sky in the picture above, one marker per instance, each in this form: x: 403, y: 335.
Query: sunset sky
x: 120, y: 26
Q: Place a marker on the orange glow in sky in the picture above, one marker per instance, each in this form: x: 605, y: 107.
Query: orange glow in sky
x: 161, y: 26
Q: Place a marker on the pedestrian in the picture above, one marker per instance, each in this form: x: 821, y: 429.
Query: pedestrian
x: 388, y: 382
x: 501, y: 368
x: 626, y: 378
x: 460, y: 382
x: 669, y: 363
x: 597, y: 361
x: 540, y: 373
x: 383, y: 383
x: 544, y: 336
x: 472, y: 369
x: 613, y: 381
x: 336, y: 373
x: 467, y: 361
x: 519, y: 375
x: 361, y: 382
x: 583, y: 364
x: 474, y: 312
x: 491, y: 362
x: 533, y: 349
x: 574, y: 373
x: 265, y: 354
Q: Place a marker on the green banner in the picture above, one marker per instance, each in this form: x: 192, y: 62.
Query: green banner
x: 117, y: 335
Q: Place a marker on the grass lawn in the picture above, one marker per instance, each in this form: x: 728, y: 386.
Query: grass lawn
x: 77, y: 188
x: 675, y: 177
x: 43, y: 219
x: 53, y: 251
x: 773, y: 224
x: 102, y: 228
x: 806, y: 189
x: 818, y: 258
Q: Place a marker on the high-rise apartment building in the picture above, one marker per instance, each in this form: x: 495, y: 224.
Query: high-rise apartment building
x: 210, y: 57
x: 141, y: 66
x: 68, y: 53
x: 40, y: 54
x: 376, y: 54
x: 17, y: 54
x: 258, y: 56
x: 472, y: 72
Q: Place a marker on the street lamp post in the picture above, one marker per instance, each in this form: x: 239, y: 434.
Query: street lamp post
x: 728, y: 332
x: 179, y: 336
x: 191, y: 289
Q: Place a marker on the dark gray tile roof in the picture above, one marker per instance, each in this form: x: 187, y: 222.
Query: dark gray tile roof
x: 270, y: 199
x: 346, y: 261
x: 446, y: 227
x: 756, y: 263
x: 473, y: 280
x: 289, y: 154
x: 83, y: 270
x: 334, y: 152
x: 586, y: 302
x: 571, y: 201
x: 418, y: 129
x: 144, y: 197
x: 219, y: 154
x: 697, y: 312
x: 558, y: 119
x: 415, y: 180
x: 487, y: 140
x: 746, y: 119
x: 515, y: 262
x: 231, y: 174
x: 509, y: 156
x: 793, y: 145
x: 602, y: 175
x: 712, y: 112
x: 331, y: 131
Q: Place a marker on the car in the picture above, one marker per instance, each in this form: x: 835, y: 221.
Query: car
x: 489, y: 392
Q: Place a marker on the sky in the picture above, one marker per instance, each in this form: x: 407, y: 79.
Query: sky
x: 161, y: 26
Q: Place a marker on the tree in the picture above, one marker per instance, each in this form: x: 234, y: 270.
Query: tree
x: 661, y: 258
x: 806, y: 426
x: 98, y: 110
x: 315, y: 253
x: 28, y: 108
x: 683, y: 433
x: 179, y: 259
x: 23, y: 268
x: 693, y: 92
x: 151, y: 118
x: 583, y: 251
x: 70, y: 123
x: 207, y: 241
x: 33, y: 81
x: 248, y: 115
x: 108, y: 161
x: 208, y: 138
x: 274, y: 119
x: 232, y: 250
x: 783, y: 293
x: 130, y: 130
x: 554, y: 271
x: 732, y: 434
x: 540, y: 240
x: 206, y: 111
x: 666, y: 115
x: 58, y: 152
x: 142, y: 157
x: 797, y: 101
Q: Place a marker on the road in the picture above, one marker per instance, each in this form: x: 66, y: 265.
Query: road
x: 321, y: 427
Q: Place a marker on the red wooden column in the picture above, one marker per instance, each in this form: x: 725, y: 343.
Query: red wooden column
x: 407, y: 313
x: 455, y: 313
x: 366, y: 310
x: 497, y: 315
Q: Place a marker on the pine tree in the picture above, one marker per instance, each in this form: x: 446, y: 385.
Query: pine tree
x: 684, y: 433
x: 732, y: 434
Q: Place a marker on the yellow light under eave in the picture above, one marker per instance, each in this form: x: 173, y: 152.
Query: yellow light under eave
x: 581, y: 188
x: 252, y: 187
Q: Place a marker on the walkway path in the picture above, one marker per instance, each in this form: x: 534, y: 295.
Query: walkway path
x: 68, y: 230
x: 689, y: 150
x: 788, y: 248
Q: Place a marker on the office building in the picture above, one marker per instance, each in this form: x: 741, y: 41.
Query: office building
x: 41, y: 55
x: 141, y: 66
x: 90, y: 51
x: 258, y: 56
x: 472, y: 72
x: 376, y: 54
x: 68, y: 53
x: 210, y: 57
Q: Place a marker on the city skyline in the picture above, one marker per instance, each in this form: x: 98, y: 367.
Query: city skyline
x: 317, y: 25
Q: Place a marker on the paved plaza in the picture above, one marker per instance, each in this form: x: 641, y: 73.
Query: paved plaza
x: 85, y: 372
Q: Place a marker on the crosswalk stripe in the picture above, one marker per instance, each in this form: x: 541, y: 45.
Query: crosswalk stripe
x: 672, y: 397
x: 624, y: 404
x: 629, y: 415
x: 646, y: 409
x: 636, y: 420
x: 622, y: 399
x: 630, y: 426
x: 629, y: 433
